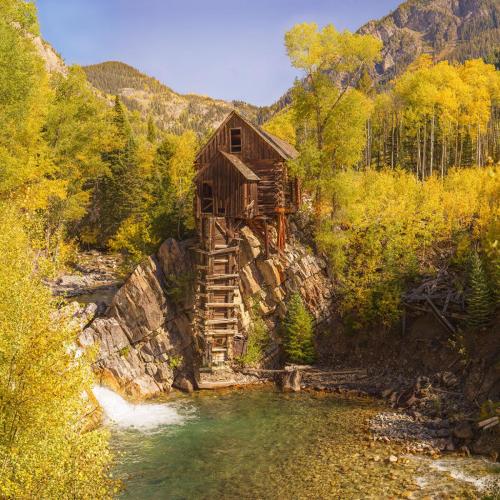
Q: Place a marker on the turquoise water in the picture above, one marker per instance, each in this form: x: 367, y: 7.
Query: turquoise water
x: 266, y: 445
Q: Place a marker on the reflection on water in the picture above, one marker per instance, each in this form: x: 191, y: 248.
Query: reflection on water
x: 267, y: 445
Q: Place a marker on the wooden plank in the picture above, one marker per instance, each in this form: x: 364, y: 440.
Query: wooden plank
x: 222, y: 288
x: 220, y: 251
x: 220, y: 332
x: 221, y: 305
x: 221, y: 321
x: 221, y: 276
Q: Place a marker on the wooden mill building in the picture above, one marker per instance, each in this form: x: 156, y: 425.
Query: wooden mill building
x: 242, y: 179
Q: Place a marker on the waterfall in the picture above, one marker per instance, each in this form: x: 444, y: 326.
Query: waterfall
x: 143, y: 416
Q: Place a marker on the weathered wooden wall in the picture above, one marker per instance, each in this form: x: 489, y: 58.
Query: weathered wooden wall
x: 253, y: 147
x: 232, y: 192
x: 275, y: 190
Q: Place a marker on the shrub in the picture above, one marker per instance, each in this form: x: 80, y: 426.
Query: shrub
x: 387, y: 229
x: 44, y: 449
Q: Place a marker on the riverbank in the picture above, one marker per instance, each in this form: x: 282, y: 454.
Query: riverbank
x: 424, y: 414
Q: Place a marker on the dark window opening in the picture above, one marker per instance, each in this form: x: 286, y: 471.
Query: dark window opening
x: 236, y: 140
x: 207, y: 198
x: 220, y: 342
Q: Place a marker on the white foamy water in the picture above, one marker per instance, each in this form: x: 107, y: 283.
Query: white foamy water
x: 144, y: 416
x: 480, y: 483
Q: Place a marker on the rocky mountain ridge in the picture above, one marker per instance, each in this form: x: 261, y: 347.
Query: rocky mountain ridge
x: 455, y: 30
x: 171, y: 111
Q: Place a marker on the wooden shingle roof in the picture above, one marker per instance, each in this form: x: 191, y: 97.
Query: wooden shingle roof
x: 240, y: 166
x: 287, y: 151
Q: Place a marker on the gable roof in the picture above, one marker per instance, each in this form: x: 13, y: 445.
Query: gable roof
x: 285, y: 150
x: 243, y: 169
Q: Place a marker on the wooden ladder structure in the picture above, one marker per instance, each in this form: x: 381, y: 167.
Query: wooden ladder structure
x: 216, y: 312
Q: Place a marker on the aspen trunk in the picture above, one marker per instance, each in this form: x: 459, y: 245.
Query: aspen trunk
x: 443, y: 153
x: 478, y: 147
x: 424, y: 151
x: 392, y: 141
x: 432, y: 142
x: 418, y: 151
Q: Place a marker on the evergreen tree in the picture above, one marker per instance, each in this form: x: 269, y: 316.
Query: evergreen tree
x: 298, y: 332
x: 479, y: 302
x: 152, y: 131
x: 120, y: 193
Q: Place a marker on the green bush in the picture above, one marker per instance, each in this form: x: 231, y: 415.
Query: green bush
x: 298, y: 332
x: 258, y: 337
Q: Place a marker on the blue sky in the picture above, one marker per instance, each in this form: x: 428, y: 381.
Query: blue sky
x: 229, y: 49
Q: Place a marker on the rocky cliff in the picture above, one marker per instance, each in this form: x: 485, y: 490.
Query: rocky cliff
x: 456, y: 30
x: 145, y: 340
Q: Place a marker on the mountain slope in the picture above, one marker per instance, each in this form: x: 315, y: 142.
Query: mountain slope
x: 171, y: 111
x: 447, y: 29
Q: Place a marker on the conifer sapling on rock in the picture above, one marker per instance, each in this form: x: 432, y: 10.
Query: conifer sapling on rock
x: 298, y: 332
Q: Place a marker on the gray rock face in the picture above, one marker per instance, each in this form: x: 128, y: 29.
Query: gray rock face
x: 271, y: 281
x: 145, y: 336
x: 453, y: 29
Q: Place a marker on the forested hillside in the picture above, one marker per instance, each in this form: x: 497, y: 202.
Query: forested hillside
x: 170, y: 111
x: 391, y: 200
x: 455, y: 30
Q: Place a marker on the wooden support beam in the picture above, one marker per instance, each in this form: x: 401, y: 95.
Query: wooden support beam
x: 266, y: 238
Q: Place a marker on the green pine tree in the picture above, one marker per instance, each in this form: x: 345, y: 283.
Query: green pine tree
x: 298, y: 332
x: 479, y: 302
x: 152, y: 131
x: 121, y: 192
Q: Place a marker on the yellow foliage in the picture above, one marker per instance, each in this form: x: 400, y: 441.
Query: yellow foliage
x: 387, y: 227
x: 44, y: 452
x: 282, y: 125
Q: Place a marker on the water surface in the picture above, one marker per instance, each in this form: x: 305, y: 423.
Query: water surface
x: 266, y: 445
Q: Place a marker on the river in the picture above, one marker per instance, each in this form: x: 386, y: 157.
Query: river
x: 262, y: 444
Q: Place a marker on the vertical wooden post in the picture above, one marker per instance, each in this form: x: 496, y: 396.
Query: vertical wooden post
x: 266, y: 238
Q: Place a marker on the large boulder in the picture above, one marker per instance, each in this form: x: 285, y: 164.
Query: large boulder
x: 270, y: 272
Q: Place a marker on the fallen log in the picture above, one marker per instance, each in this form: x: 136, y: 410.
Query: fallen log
x: 488, y: 423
